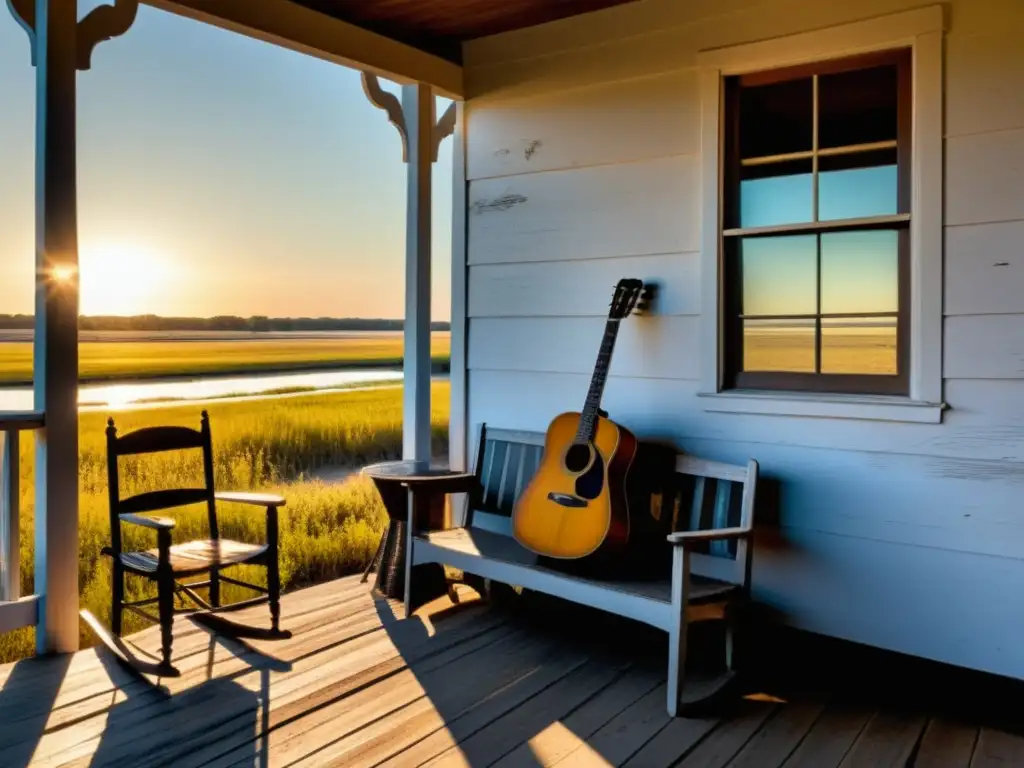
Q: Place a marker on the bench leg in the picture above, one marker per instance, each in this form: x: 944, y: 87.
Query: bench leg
x: 677, y: 633
x: 730, y: 640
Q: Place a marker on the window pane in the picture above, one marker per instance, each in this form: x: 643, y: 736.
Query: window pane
x: 778, y: 345
x: 849, y: 193
x: 780, y: 275
x: 776, y: 119
x: 861, y: 345
x: 780, y: 193
x: 857, y: 107
x: 860, y: 272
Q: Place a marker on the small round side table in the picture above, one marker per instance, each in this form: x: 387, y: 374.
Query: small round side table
x: 426, y: 486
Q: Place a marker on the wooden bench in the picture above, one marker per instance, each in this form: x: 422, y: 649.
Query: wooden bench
x: 710, y: 573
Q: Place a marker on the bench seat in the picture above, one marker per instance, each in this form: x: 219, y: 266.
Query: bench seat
x: 501, y: 558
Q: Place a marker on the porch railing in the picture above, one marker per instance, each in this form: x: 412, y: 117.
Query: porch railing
x: 15, y: 611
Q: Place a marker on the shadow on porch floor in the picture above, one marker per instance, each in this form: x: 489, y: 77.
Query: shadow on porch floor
x: 471, y: 685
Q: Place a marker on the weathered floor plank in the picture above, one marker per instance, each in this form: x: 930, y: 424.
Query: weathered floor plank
x: 454, y: 686
x: 946, y: 744
x: 997, y: 749
x: 780, y: 736
x: 726, y: 741
x: 501, y: 736
x: 830, y: 738
x: 624, y: 735
x: 887, y: 741
x: 560, y: 737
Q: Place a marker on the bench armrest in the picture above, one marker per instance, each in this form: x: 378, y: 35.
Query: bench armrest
x: 717, y: 534
x: 156, y: 523
x: 255, y: 499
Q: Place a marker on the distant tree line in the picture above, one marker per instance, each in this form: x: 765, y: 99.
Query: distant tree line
x: 257, y: 323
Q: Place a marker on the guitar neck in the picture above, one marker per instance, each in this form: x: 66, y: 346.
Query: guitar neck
x: 588, y: 417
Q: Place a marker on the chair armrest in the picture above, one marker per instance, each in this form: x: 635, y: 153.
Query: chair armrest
x: 717, y: 534
x: 156, y: 523
x: 256, y: 499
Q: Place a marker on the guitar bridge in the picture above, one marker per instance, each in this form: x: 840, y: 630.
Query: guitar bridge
x: 566, y: 500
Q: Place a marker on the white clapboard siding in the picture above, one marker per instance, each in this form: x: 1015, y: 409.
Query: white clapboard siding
x: 953, y: 607
x: 984, y: 347
x: 630, y: 209
x: 983, y: 177
x: 585, y: 126
x: 582, y: 288
x: 659, y: 347
x: 606, y: 57
x: 954, y: 504
x: 983, y: 81
x: 985, y: 421
x: 985, y: 268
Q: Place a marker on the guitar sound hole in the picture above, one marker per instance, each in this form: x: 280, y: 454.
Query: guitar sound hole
x: 577, y: 457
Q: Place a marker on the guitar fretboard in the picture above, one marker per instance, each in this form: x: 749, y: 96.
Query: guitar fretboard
x: 588, y: 417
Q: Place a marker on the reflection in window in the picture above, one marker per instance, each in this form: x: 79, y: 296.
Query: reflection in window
x: 777, y: 193
x: 780, y: 275
x: 816, y: 225
x: 857, y: 193
x: 860, y: 272
x: 776, y: 118
x: 863, y: 345
x: 779, y: 345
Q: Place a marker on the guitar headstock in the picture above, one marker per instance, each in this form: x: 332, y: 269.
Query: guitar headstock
x: 631, y: 295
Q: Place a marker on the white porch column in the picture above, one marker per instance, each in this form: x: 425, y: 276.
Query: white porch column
x: 56, y: 328
x: 418, y: 107
x: 421, y: 136
x: 60, y: 45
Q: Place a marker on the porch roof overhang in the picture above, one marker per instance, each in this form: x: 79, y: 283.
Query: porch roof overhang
x: 405, y: 40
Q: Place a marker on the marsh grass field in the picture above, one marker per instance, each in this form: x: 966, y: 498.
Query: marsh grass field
x: 273, y: 444
x: 161, y: 357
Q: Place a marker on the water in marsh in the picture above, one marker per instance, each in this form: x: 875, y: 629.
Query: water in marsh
x: 150, y: 393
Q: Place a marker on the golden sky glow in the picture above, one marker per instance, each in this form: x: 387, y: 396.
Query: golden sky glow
x: 218, y: 175
x: 123, y: 279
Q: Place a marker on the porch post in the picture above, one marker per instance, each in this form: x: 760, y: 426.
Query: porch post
x: 418, y: 108
x: 413, y: 117
x: 56, y: 328
x: 60, y: 46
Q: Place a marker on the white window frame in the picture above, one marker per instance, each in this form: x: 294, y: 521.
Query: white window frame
x: 922, y: 30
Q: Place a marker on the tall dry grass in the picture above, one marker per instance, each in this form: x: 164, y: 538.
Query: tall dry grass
x: 327, y: 530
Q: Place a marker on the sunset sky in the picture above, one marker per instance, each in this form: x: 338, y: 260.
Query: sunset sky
x: 218, y: 175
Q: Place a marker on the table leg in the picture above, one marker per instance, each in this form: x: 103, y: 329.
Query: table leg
x: 374, y: 563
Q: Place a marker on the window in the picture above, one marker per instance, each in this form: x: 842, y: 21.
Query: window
x: 815, y: 236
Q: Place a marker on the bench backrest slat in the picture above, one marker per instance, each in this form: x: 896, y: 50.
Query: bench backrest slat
x: 712, y: 495
x: 506, y: 461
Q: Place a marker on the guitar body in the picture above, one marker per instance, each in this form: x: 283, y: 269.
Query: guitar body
x: 576, y: 504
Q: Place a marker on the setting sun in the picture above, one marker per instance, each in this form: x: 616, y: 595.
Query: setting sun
x: 121, y: 279
x: 63, y: 273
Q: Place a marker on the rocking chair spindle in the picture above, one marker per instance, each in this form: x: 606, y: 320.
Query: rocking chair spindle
x: 169, y: 563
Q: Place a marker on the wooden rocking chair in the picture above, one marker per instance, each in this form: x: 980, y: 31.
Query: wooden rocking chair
x: 169, y: 563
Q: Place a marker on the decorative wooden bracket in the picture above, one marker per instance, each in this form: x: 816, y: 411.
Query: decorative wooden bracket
x: 103, y: 22
x: 24, y: 12
x: 445, y: 127
x: 390, y: 104
x: 396, y: 116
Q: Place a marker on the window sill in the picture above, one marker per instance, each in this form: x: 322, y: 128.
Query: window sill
x: 827, y: 406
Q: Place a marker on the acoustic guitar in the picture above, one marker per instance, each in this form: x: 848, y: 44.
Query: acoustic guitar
x: 576, y: 505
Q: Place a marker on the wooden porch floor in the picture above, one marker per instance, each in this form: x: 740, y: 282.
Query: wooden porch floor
x: 465, y: 686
